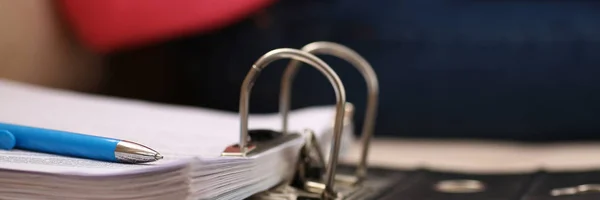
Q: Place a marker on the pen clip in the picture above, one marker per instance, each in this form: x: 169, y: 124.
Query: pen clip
x: 349, y: 55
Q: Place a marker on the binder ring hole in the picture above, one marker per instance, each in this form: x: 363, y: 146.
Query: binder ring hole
x: 460, y: 186
x: 580, y: 189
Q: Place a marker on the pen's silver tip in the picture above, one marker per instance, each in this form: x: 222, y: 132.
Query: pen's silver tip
x: 129, y: 152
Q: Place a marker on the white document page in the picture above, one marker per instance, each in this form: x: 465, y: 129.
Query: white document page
x: 174, y: 131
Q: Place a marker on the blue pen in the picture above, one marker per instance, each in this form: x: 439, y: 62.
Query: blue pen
x: 74, y: 144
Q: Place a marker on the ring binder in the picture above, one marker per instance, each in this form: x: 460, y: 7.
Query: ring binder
x: 307, y: 182
x: 343, y: 52
x: 246, y: 146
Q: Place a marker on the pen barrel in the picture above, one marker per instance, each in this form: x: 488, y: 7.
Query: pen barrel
x: 62, y: 142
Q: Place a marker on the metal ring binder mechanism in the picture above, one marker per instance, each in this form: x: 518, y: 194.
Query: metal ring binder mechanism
x: 247, y: 147
x: 368, y: 74
x: 313, y: 178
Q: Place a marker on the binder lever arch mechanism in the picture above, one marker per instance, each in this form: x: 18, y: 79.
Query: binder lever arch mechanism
x: 313, y: 177
x: 248, y: 147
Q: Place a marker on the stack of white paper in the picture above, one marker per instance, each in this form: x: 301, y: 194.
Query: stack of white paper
x: 190, y: 139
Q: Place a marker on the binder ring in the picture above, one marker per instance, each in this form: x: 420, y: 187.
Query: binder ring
x: 305, y: 57
x: 368, y: 74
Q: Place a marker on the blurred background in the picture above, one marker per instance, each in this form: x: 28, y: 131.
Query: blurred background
x: 510, y: 70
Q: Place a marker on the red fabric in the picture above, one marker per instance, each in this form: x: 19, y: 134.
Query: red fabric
x: 109, y: 25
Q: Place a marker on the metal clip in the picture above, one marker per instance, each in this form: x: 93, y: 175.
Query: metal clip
x: 370, y: 77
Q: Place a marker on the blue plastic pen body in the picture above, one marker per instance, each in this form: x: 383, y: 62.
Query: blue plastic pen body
x: 62, y: 143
